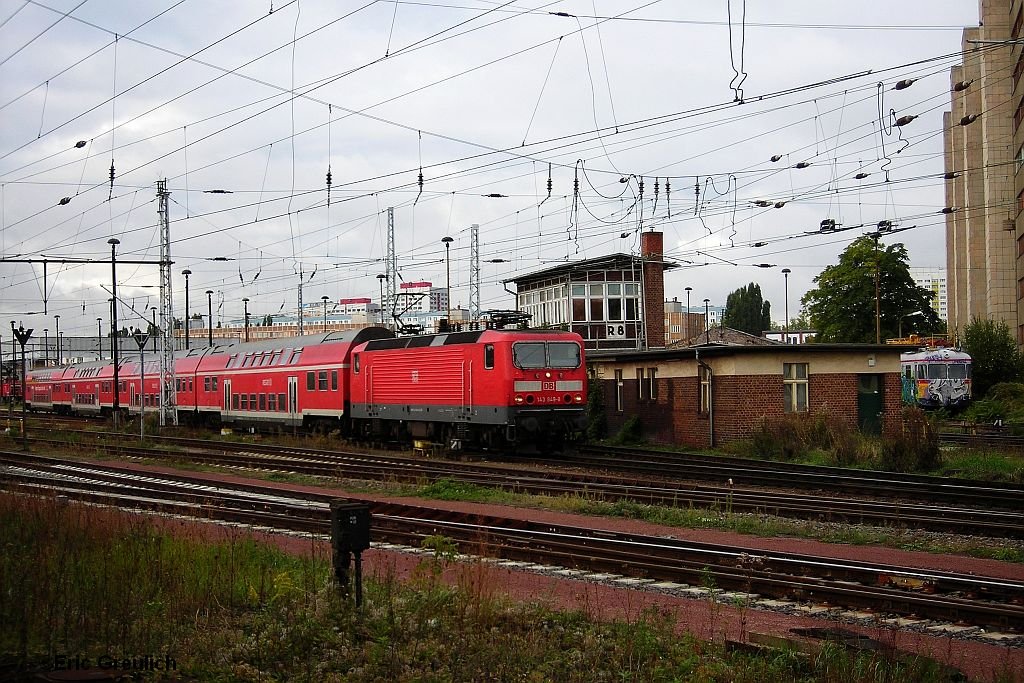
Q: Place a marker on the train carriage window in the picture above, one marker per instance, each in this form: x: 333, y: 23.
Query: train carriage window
x: 355, y: 363
x: 488, y: 356
x: 322, y: 385
x: 267, y: 359
x: 310, y: 381
x: 245, y: 401
x: 296, y: 357
x: 936, y: 371
x: 922, y: 371
x: 908, y: 372
x: 233, y: 361
x: 334, y: 380
x: 213, y: 384
x: 190, y: 385
x: 281, y: 405
x: 272, y: 402
x: 252, y: 401
x: 276, y: 358
x: 263, y: 401
x: 206, y: 384
x: 234, y: 401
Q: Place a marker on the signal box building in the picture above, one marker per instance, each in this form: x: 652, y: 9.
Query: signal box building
x: 613, y: 302
x: 704, y: 396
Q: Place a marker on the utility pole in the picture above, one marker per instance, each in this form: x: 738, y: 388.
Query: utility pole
x: 300, y: 311
x: 168, y: 398
x: 878, y: 299
x: 474, y: 272
x: 392, y: 264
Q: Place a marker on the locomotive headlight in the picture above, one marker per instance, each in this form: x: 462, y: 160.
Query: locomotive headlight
x: 547, y: 375
x: 519, y: 399
x: 579, y: 399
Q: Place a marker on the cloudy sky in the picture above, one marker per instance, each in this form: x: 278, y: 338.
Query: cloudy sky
x: 258, y: 99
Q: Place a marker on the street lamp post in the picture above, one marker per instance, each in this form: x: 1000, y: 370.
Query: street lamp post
x: 687, y: 319
x: 186, y: 273
x: 707, y: 323
x: 46, y: 347
x: 245, y: 301
x: 381, y: 277
x: 56, y: 337
x: 113, y: 242
x: 209, y: 316
x: 99, y: 338
x: 448, y: 275
x: 325, y: 299
x: 23, y: 336
x: 14, y: 375
x: 785, y: 325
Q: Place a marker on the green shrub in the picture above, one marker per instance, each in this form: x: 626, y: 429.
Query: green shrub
x: 915, y: 448
x: 631, y: 432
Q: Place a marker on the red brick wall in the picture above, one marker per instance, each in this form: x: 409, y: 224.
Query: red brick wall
x: 740, y: 402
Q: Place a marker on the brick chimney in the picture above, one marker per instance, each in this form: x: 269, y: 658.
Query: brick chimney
x: 652, y: 252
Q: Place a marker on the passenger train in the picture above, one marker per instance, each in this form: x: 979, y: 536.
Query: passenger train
x: 936, y: 378
x: 490, y: 388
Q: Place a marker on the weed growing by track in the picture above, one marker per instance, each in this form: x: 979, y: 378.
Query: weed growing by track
x: 221, y: 606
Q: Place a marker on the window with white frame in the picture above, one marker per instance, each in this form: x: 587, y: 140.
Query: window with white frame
x: 794, y: 383
x: 704, y: 399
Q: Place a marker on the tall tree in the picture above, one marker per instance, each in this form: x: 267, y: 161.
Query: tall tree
x: 994, y: 355
x: 746, y: 311
x: 842, y: 307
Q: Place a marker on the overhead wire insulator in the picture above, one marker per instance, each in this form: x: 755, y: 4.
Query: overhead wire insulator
x: 668, y: 197
x: 803, y: 164
x: 950, y: 175
x: 111, y: 193
x: 949, y: 209
x: 962, y: 85
x: 776, y: 157
x: 904, y: 120
x: 217, y: 191
x: 861, y: 176
x: 762, y: 202
x: 80, y: 144
x: 494, y: 195
x: 779, y: 205
x: 969, y: 119
x: 64, y: 201
x: 884, y: 225
x: 759, y: 244
x: 328, y: 185
x: 904, y: 84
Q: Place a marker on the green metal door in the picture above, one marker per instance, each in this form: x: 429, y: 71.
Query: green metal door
x: 870, y: 401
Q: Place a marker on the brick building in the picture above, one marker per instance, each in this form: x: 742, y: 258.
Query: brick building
x: 707, y: 395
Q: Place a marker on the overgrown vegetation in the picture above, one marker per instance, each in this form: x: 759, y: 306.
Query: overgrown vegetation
x: 994, y: 355
x: 108, y: 584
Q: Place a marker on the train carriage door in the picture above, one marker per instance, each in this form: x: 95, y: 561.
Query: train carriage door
x: 226, y: 407
x: 293, y: 397
x: 870, y: 403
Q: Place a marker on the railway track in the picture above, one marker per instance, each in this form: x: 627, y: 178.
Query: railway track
x: 874, y: 592
x: 652, y: 491
x: 748, y: 472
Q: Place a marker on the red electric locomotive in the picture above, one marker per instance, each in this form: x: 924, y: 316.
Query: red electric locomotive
x: 490, y: 388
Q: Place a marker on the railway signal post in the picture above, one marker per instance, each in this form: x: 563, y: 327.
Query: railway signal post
x: 141, y: 338
x: 350, y: 534
x: 23, y: 335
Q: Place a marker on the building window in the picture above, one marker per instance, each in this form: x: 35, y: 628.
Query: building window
x: 794, y: 381
x: 618, y: 390
x: 652, y: 388
x: 704, y: 400
x: 640, y: 384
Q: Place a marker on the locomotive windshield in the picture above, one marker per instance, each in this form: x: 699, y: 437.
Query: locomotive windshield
x: 533, y: 355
